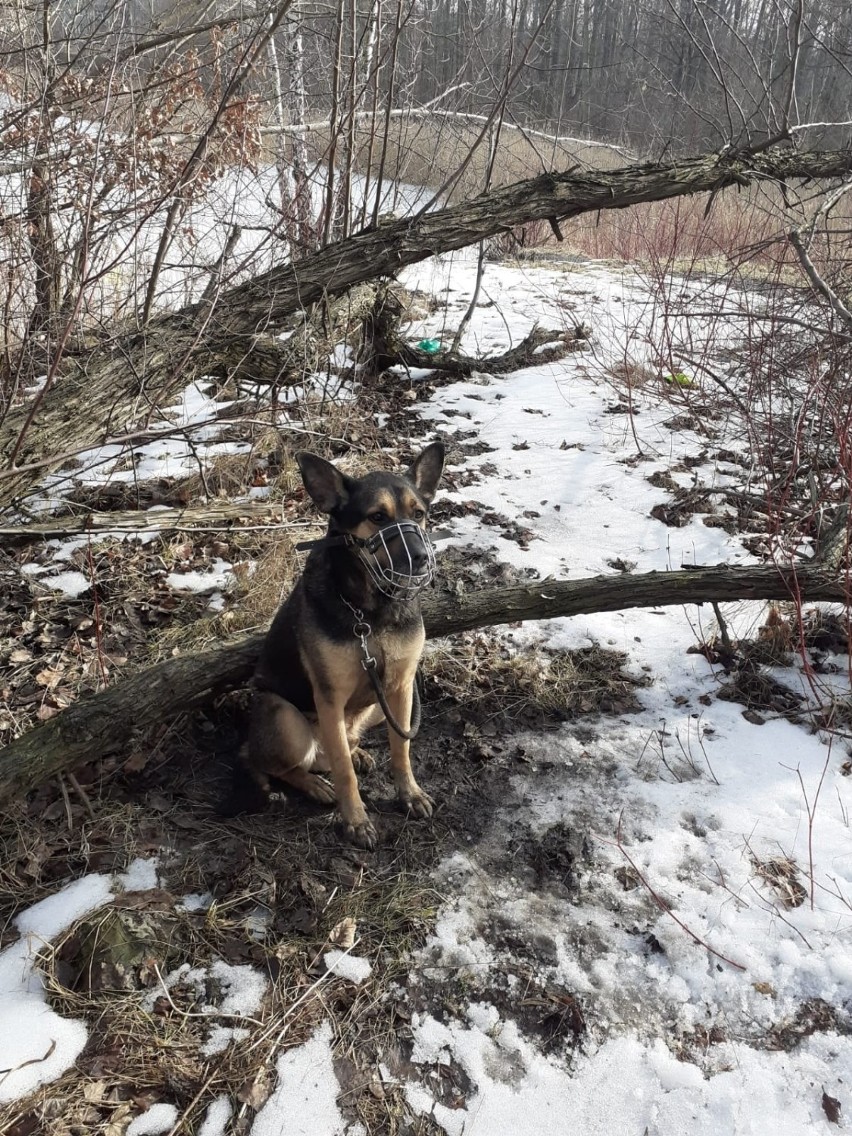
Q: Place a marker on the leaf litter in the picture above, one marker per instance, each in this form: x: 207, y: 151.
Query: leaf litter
x: 521, y: 975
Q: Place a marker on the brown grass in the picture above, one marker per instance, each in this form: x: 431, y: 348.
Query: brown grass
x: 427, y: 151
x: 487, y: 675
x: 142, y: 1055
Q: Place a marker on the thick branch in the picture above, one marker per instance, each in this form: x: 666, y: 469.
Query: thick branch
x: 126, y: 381
x: 819, y: 284
x: 214, y: 517
x: 105, y: 722
x: 539, y: 347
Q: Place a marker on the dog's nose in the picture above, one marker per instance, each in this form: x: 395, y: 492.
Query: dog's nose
x: 419, y: 560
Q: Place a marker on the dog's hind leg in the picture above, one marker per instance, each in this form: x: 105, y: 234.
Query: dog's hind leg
x: 282, y: 744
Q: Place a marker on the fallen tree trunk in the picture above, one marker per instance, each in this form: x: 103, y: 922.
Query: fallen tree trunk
x: 107, y: 722
x: 215, y: 517
x: 126, y: 379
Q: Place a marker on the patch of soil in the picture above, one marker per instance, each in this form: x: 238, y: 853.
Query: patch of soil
x: 480, y: 683
x: 620, y: 565
x: 123, y: 496
x: 782, y: 875
x: 621, y: 408
x: 55, y: 648
x: 509, y: 529
x: 459, y: 572
x: 825, y: 633
x: 725, y: 521
x: 549, y: 1014
x: 550, y: 857
x: 813, y: 1016
x: 662, y: 479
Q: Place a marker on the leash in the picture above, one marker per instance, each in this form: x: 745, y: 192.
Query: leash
x: 362, y: 630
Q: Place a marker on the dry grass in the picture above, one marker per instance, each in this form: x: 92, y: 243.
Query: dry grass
x: 488, y: 676
x: 105, y: 969
x: 782, y: 875
x: 257, y: 595
x: 427, y: 151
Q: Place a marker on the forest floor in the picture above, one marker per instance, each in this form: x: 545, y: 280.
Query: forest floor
x: 631, y: 911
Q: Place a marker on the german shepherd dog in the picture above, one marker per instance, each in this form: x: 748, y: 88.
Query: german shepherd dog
x: 343, y: 650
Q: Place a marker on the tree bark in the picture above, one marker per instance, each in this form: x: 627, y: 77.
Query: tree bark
x: 215, y: 517
x: 123, y: 382
x: 104, y: 723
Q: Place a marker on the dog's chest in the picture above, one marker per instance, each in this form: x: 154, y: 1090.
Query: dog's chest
x: 396, y: 655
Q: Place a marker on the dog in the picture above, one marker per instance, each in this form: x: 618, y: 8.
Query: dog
x: 343, y: 650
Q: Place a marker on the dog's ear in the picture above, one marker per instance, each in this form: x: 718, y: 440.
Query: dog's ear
x: 425, y: 472
x: 325, y: 483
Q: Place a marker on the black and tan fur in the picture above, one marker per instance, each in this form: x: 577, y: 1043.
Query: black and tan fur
x: 312, y: 699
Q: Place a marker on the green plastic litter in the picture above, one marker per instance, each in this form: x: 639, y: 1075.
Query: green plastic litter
x: 430, y: 346
x: 679, y: 379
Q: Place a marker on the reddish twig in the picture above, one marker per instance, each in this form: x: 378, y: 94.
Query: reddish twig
x: 660, y: 902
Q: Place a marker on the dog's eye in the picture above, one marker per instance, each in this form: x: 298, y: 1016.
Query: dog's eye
x: 419, y: 514
x: 377, y: 518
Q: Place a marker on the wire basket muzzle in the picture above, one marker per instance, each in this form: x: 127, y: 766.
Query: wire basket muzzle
x: 400, y: 559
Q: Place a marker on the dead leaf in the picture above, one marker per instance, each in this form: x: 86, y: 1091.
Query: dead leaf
x: 45, y: 712
x: 93, y: 1091
x: 343, y: 933
x: 136, y: 763
x: 117, y: 1123
x: 831, y: 1107
x: 50, y: 676
x: 377, y: 1089
x: 152, y: 899
x: 256, y: 1090
x: 20, y: 655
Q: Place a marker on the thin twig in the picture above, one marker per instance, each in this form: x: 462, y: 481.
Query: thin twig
x: 660, y: 902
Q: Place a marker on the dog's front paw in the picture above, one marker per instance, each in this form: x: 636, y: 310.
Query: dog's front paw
x: 363, y: 835
x: 417, y: 802
x: 362, y: 762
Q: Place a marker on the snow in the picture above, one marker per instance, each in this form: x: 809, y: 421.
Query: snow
x: 220, y: 1037
x: 241, y: 990
x: 71, y: 584
x: 141, y: 875
x: 625, y: 1087
x: 242, y: 987
x: 215, y: 578
x: 245, y: 988
x: 216, y: 1117
x: 693, y: 794
x: 345, y: 965
x: 37, y: 1045
x: 195, y: 901
x: 305, y: 1099
x: 157, y: 1119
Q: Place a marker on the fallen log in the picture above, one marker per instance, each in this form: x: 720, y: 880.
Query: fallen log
x: 124, y: 381
x: 106, y: 722
x: 215, y: 517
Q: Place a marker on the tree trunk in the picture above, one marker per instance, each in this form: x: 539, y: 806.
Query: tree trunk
x: 124, y: 382
x: 105, y: 722
x: 215, y: 517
